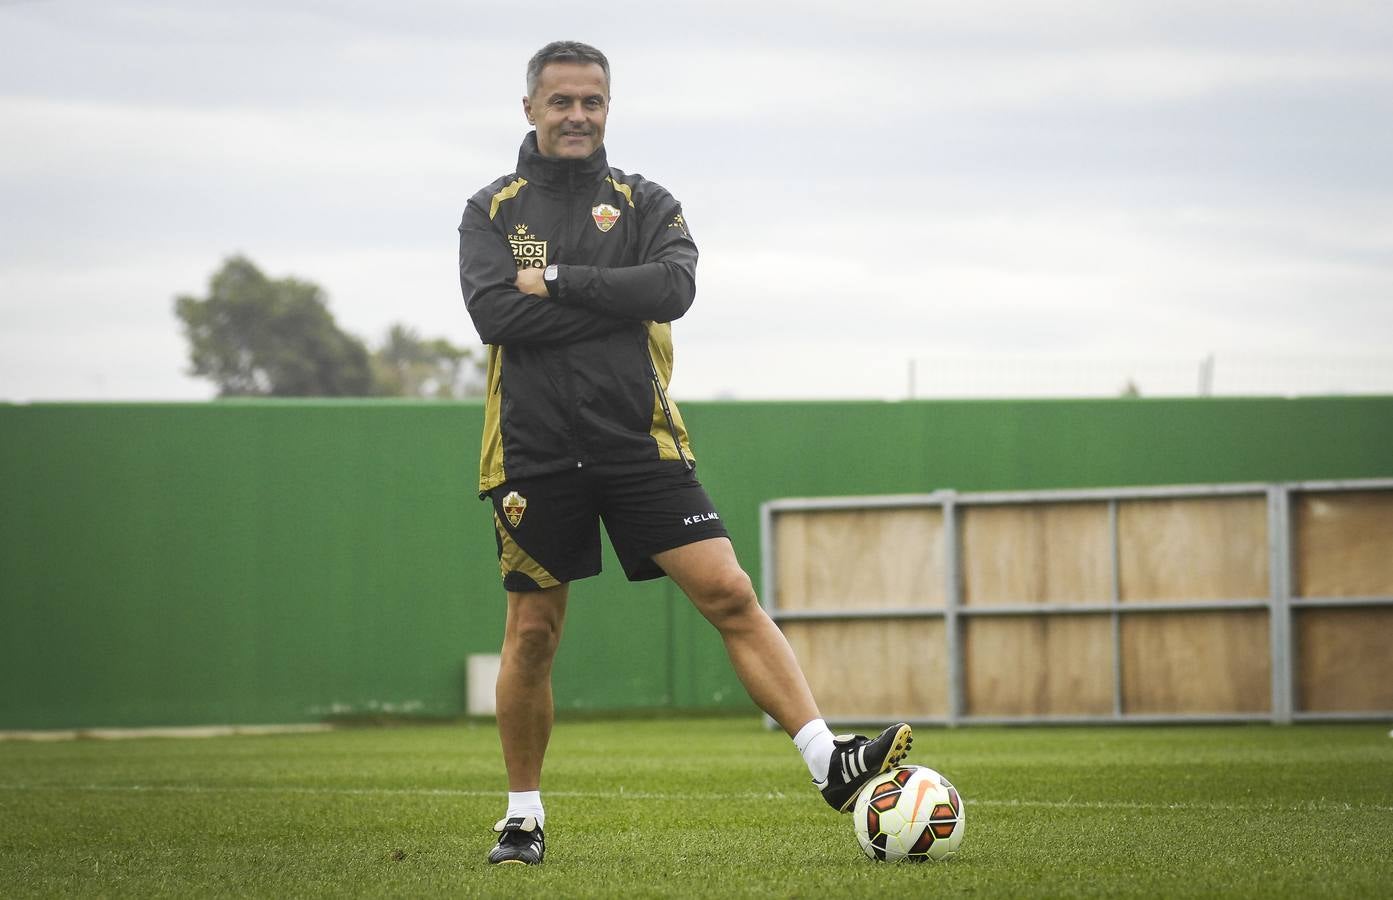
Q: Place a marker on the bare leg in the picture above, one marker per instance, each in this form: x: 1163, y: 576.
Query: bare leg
x: 523, y: 692
x: 710, y: 575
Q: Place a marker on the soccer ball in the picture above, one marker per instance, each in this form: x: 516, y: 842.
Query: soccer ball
x: 909, y: 813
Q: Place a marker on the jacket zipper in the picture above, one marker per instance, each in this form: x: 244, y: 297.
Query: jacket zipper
x: 662, y: 401
x: 570, y: 380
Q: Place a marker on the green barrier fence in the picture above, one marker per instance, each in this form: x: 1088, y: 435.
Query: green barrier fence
x: 283, y: 561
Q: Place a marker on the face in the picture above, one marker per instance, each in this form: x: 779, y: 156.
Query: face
x: 569, y: 108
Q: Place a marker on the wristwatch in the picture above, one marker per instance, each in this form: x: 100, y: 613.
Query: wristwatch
x: 549, y: 278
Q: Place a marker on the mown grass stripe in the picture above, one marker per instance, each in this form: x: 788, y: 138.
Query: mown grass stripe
x: 713, y: 797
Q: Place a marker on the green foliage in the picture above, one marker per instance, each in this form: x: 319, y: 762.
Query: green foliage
x: 698, y: 808
x: 264, y: 337
x: 408, y: 365
x: 256, y: 336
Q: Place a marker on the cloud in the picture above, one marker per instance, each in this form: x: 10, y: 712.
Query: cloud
x: 110, y: 139
x: 868, y: 184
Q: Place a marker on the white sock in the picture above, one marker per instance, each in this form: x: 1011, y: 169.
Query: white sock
x: 528, y: 803
x: 814, y: 741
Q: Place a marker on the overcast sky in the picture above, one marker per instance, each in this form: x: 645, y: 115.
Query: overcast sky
x: 1019, y: 197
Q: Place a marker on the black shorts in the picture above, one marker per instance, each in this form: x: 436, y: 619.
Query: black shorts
x: 548, y: 527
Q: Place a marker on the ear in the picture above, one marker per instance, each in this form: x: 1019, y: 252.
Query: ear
x: 527, y: 110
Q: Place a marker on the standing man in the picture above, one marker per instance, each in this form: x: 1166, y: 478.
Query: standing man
x: 572, y: 271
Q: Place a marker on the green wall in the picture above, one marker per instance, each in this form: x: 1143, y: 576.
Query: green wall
x: 261, y: 562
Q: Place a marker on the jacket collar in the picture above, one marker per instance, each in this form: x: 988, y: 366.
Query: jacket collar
x: 559, y: 173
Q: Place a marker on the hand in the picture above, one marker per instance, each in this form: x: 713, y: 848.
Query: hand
x: 530, y: 282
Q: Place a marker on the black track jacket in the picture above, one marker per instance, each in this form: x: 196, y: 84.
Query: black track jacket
x: 579, y: 378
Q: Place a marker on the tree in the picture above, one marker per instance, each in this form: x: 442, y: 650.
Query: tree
x: 407, y: 365
x: 256, y: 336
x: 261, y: 337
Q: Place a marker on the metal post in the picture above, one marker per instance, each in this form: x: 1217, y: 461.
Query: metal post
x: 952, y: 601
x: 767, y: 577
x: 767, y: 549
x: 1279, y: 578
x: 1116, y: 612
x: 1206, y: 386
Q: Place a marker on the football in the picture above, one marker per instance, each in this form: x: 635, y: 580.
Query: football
x: 909, y: 813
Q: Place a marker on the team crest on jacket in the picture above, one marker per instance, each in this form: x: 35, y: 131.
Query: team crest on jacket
x: 514, y: 505
x: 605, y: 216
x: 528, y: 252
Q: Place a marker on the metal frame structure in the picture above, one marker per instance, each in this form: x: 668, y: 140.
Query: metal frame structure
x: 1280, y: 604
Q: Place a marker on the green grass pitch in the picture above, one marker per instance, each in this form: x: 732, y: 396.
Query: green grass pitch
x: 697, y: 808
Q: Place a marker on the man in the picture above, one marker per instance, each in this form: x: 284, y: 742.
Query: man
x: 572, y: 271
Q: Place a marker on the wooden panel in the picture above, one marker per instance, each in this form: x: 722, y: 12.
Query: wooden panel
x: 1344, y: 544
x: 1344, y: 660
x: 1036, y: 553
x: 1196, y: 662
x: 859, y: 559
x: 874, y: 669
x: 1209, y: 548
x: 1038, y: 666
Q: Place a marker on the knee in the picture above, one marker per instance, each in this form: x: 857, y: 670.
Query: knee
x: 727, y: 597
x: 533, y: 639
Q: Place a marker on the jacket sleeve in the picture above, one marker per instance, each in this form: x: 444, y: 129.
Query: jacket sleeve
x: 661, y: 287
x: 504, y: 315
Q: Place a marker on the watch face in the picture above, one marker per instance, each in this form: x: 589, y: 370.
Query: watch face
x: 549, y: 273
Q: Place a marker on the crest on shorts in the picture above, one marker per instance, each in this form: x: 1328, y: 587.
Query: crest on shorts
x: 514, y: 505
x: 605, y: 216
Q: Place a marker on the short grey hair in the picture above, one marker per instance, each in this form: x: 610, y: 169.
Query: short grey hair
x: 565, y: 52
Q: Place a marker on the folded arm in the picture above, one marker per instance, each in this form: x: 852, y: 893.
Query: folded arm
x: 661, y: 288
x: 504, y: 314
